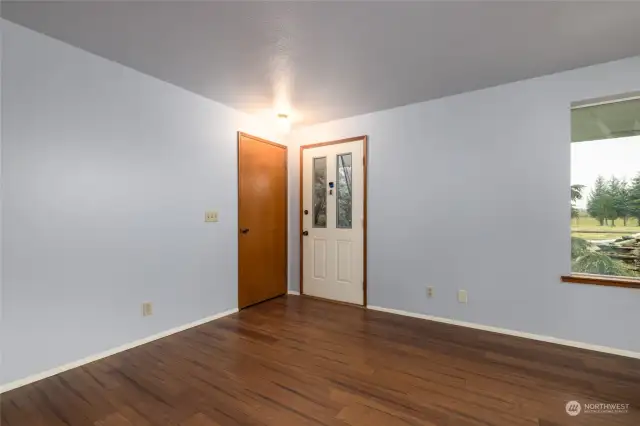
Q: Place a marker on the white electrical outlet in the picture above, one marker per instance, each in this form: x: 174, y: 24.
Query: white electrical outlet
x: 211, y: 216
x: 462, y: 296
x: 147, y: 309
x: 429, y: 291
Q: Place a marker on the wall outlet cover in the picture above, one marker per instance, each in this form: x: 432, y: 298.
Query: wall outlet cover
x: 462, y: 296
x: 147, y: 309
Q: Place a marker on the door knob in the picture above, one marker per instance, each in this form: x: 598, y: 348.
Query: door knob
x: 244, y: 230
x: 305, y: 233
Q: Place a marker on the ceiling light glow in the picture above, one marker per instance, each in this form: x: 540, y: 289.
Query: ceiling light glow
x: 283, y: 122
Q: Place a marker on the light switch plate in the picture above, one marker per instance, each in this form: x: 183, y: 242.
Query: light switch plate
x: 462, y: 296
x: 211, y: 216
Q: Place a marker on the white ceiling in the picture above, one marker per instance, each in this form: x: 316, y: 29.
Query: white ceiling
x: 330, y: 60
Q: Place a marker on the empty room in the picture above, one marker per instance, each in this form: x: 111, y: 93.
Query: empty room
x: 347, y: 213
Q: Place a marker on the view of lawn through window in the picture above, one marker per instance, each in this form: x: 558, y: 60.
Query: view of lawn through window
x: 605, y: 193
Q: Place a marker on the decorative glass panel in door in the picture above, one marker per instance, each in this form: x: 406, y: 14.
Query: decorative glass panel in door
x: 320, y: 192
x: 344, y: 192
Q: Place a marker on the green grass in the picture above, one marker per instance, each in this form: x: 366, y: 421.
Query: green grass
x: 591, y: 236
x: 589, y: 228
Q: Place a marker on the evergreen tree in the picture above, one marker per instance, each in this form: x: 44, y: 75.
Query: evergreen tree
x: 634, y: 198
x: 616, y: 189
x: 600, y: 202
x: 576, y: 194
x: 622, y: 201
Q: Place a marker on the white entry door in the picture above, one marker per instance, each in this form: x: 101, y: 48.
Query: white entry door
x: 333, y: 221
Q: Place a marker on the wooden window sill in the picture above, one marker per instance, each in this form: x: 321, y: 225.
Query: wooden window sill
x: 601, y: 280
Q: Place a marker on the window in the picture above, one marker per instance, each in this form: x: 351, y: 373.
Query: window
x: 605, y: 190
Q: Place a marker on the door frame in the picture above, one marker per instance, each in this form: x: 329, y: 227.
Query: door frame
x: 286, y: 204
x: 365, y: 141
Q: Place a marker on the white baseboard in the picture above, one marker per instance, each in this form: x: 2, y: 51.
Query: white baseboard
x: 52, y: 372
x: 36, y: 377
x: 294, y: 293
x: 532, y: 336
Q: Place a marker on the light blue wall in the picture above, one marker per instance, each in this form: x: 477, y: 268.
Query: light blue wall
x: 472, y: 192
x: 106, y: 175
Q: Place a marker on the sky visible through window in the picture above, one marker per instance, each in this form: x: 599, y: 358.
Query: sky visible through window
x: 609, y: 157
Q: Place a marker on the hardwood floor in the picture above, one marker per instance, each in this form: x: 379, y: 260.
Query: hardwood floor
x: 298, y: 361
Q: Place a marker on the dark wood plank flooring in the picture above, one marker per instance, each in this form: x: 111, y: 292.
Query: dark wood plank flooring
x: 298, y: 361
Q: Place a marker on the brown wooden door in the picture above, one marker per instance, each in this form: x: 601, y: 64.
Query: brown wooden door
x: 262, y: 220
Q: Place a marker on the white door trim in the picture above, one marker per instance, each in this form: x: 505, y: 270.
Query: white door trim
x: 364, y: 140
